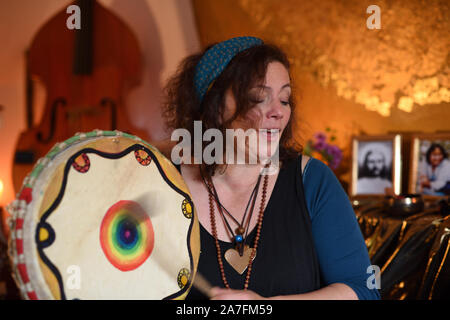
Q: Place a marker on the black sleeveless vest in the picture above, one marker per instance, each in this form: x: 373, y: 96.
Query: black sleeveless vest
x: 286, y: 261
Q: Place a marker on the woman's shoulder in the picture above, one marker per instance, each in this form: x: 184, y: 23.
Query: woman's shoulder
x: 322, y: 189
x: 318, y: 178
x: 446, y: 163
x: 308, y: 163
x: 315, y: 168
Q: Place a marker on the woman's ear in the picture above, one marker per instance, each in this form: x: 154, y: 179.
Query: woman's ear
x: 229, y: 106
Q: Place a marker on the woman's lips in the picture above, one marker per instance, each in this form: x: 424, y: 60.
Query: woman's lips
x: 270, y: 134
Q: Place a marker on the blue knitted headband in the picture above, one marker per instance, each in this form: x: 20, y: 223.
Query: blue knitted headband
x: 215, y: 60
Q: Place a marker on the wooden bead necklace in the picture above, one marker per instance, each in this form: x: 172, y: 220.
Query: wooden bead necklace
x: 238, y: 236
x: 258, y: 234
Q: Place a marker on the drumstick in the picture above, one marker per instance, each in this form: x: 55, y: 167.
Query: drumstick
x: 202, y: 285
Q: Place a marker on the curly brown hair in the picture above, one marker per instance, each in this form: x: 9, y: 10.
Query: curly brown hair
x: 246, y: 70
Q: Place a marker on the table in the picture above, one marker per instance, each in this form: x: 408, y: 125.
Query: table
x: 412, y: 252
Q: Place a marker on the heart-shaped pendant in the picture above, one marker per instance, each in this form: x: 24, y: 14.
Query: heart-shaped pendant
x: 239, y: 263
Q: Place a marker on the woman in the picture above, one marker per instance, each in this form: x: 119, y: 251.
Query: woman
x: 283, y: 235
x: 434, y: 173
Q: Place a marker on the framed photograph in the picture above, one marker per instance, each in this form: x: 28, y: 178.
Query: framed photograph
x: 376, y: 165
x: 430, y: 165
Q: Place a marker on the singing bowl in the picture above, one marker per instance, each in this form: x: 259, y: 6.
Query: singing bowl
x: 404, y: 204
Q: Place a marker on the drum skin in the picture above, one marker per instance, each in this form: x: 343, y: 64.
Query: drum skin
x: 104, y: 216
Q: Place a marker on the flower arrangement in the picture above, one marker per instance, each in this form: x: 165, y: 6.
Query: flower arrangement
x: 321, y: 149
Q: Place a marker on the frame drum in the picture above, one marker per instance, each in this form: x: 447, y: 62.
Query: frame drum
x: 104, y: 215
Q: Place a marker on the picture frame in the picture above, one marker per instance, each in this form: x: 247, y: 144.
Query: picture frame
x: 429, y: 173
x: 376, y: 165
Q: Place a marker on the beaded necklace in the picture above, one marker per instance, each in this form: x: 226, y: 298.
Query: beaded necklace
x: 244, y: 258
x: 238, y: 235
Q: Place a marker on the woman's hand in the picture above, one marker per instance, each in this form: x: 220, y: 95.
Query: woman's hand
x: 230, y: 294
x: 425, y: 182
x: 334, y: 291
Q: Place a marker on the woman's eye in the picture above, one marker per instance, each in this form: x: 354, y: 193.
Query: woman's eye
x: 257, y: 99
x: 285, y: 103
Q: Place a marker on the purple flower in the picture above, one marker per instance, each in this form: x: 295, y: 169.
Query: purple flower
x: 332, y: 150
x: 320, y: 137
x: 320, y: 145
x: 335, y: 155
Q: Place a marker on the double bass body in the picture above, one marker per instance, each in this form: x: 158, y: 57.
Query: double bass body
x: 87, y: 74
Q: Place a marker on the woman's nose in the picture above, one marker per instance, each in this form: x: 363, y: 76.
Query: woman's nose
x: 275, y: 110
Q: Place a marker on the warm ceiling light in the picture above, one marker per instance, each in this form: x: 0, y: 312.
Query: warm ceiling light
x: 1, y: 189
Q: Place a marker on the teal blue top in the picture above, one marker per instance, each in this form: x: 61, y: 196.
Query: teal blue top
x: 340, y: 246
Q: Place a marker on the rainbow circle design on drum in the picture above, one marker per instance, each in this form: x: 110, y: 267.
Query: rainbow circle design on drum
x: 126, y: 235
x: 104, y: 216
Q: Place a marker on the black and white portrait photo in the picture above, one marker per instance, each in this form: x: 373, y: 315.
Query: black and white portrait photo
x: 373, y: 166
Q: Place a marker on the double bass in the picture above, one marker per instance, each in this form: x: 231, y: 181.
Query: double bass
x: 87, y: 74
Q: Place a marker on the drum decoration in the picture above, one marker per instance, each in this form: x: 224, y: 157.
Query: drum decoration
x: 126, y: 235
x: 104, y: 215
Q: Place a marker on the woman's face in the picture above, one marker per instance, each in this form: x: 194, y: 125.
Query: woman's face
x: 436, y: 157
x: 270, y: 115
